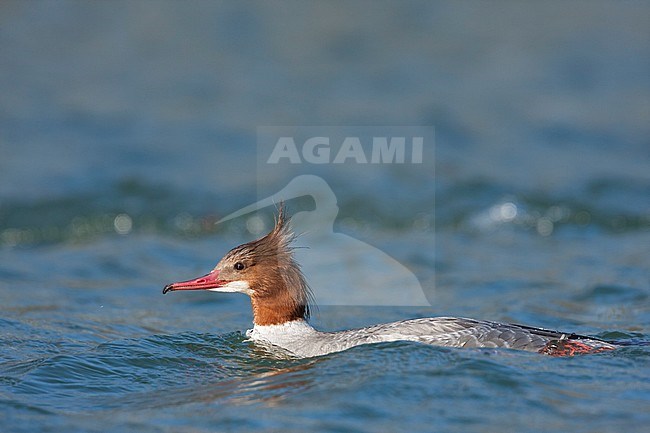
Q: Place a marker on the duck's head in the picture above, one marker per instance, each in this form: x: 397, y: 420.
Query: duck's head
x: 266, y: 271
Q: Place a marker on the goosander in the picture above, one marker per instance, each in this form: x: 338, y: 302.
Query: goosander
x: 266, y: 271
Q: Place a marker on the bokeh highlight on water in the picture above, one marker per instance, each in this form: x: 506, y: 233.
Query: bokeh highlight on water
x: 127, y: 129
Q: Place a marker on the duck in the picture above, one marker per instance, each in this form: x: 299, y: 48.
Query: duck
x: 265, y: 269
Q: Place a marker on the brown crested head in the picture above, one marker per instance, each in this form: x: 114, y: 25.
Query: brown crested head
x: 265, y: 270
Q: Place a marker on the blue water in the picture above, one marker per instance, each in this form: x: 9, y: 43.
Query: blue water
x: 128, y: 129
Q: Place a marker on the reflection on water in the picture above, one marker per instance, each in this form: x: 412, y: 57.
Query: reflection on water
x: 267, y: 387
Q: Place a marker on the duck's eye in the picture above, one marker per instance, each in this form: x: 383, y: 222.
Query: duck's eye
x: 239, y: 266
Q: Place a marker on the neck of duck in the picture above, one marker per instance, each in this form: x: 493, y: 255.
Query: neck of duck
x: 281, y: 298
x: 276, y: 311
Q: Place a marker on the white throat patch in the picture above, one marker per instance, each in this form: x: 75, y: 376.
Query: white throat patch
x: 239, y: 286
